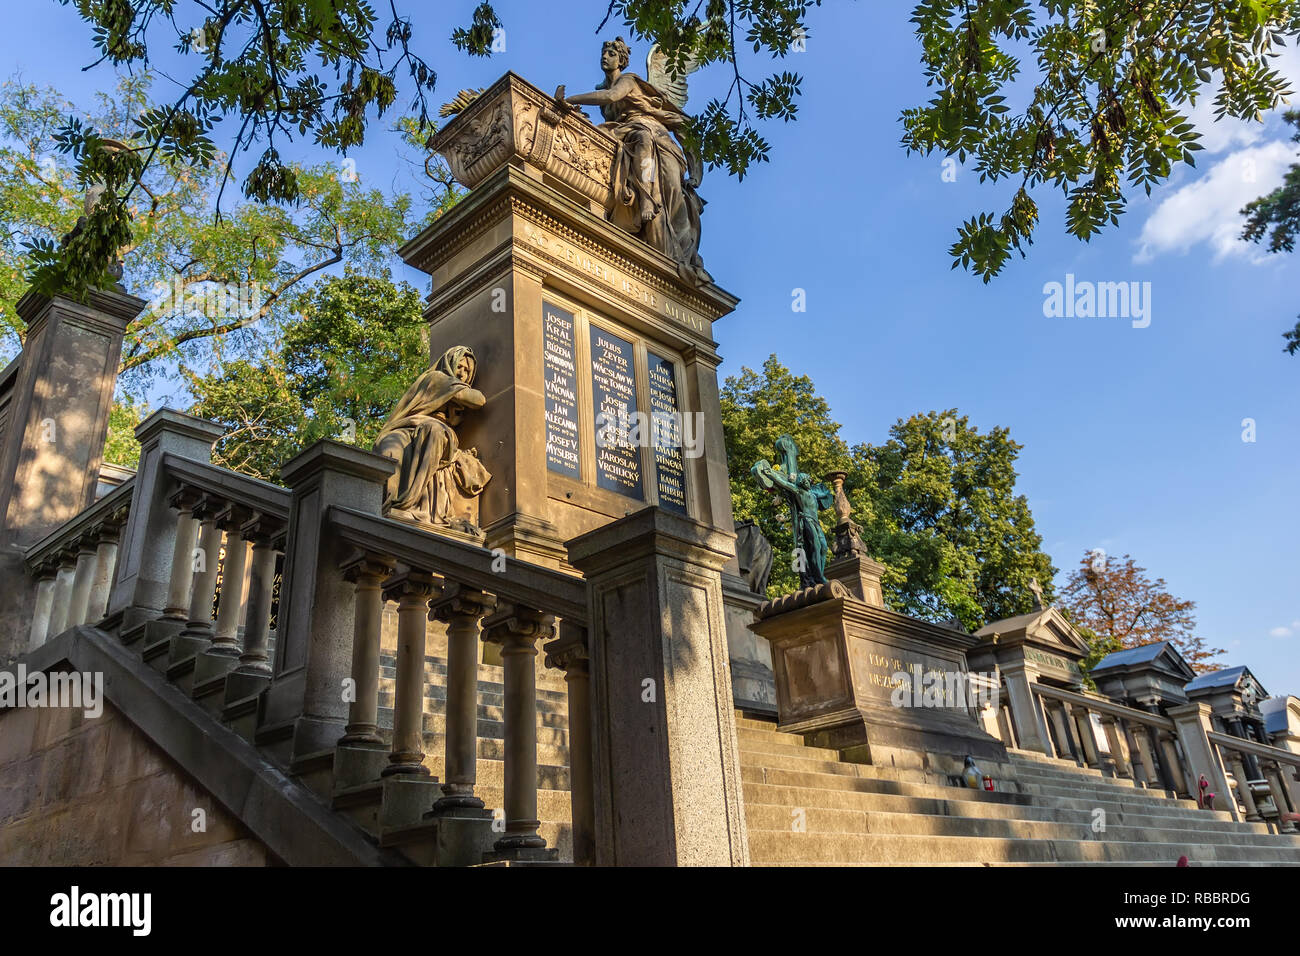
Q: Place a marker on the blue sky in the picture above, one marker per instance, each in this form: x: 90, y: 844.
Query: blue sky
x: 1133, y: 436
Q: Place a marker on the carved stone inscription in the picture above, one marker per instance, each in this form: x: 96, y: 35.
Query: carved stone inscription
x: 670, y: 476
x: 613, y: 401
x: 561, y: 388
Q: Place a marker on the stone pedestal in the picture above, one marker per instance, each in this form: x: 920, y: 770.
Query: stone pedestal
x: 750, y: 658
x: 313, y: 651
x: 526, y: 271
x: 854, y: 678
x: 666, y: 760
x: 55, y: 400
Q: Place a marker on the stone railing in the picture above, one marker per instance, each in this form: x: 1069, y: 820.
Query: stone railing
x: 1262, y: 771
x: 478, y: 596
x: 1160, y: 752
x: 72, y: 568
x: 654, y: 775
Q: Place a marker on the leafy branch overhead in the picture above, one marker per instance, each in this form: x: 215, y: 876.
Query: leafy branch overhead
x: 326, y: 69
x: 1113, y: 81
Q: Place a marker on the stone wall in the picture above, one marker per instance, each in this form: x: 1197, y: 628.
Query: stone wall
x: 95, y: 791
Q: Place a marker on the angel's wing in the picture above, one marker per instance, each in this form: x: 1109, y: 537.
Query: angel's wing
x: 671, y: 85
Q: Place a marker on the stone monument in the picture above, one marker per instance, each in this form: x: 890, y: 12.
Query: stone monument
x: 806, y: 500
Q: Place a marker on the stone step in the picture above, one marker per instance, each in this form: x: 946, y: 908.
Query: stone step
x: 820, y: 820
x: 795, y: 778
x: 808, y: 797
x: 773, y: 846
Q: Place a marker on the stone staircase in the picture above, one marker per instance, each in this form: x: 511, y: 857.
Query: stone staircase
x: 805, y: 807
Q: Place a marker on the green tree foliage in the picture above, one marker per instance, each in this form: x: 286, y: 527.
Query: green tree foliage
x: 936, y: 503
x: 121, y: 447
x: 939, y: 508
x: 284, y: 69
x: 1102, y: 109
x: 208, y: 283
x: 354, y: 345
x: 1277, y: 215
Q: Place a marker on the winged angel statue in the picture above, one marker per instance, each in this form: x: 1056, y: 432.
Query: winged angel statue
x: 653, y: 179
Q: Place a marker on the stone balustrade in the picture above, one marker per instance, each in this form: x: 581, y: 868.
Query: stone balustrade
x: 72, y: 568
x: 1278, y: 785
x: 1170, y: 752
x: 480, y: 598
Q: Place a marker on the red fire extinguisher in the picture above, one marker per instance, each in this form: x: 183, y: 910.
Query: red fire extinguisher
x: 988, y: 782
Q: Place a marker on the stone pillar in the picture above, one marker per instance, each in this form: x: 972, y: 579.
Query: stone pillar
x: 105, y: 566
x: 517, y: 630
x: 1142, y: 744
x: 1243, y: 787
x: 411, y: 590
x: 1063, y: 738
x: 61, y: 604
x: 1082, y: 725
x: 1118, y: 750
x: 60, y: 395
x: 569, y: 653
x: 1031, y: 730
x: 1237, y: 727
x: 40, y: 630
x: 1005, y: 731
x: 1281, y: 799
x: 180, y: 580
x: 1192, y: 723
x: 313, y: 652
x: 366, y: 572
x: 1172, y: 763
x: 461, y: 608
x: 253, y: 672
x: 206, y: 561
x: 665, y: 756
x: 83, y: 577
x: 230, y: 605
x: 148, y: 540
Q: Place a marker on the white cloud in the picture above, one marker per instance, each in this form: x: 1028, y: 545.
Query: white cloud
x: 1209, y: 209
x: 1285, y: 631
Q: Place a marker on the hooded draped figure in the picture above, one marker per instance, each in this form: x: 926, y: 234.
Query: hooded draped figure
x: 420, y: 436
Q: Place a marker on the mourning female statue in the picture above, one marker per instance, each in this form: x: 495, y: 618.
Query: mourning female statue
x: 433, y: 472
x: 652, y: 179
x: 806, y: 498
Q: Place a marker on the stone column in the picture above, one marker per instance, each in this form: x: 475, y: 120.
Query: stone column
x: 313, y: 652
x: 517, y: 630
x: 205, y: 561
x: 1118, y: 751
x: 666, y: 760
x: 1031, y: 730
x: 569, y: 653
x: 1237, y: 727
x: 83, y: 577
x: 367, y: 572
x: 1192, y: 723
x: 105, y: 566
x: 180, y: 581
x: 1281, y: 799
x: 461, y: 608
x: 1142, y: 744
x: 1243, y: 787
x: 1172, y: 763
x: 411, y: 590
x: 230, y: 605
x: 253, y: 672
x: 148, y: 539
x: 1082, y: 725
x: 44, y: 605
x: 1063, y: 738
x: 1004, y: 726
x: 61, y: 603
x: 60, y: 393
